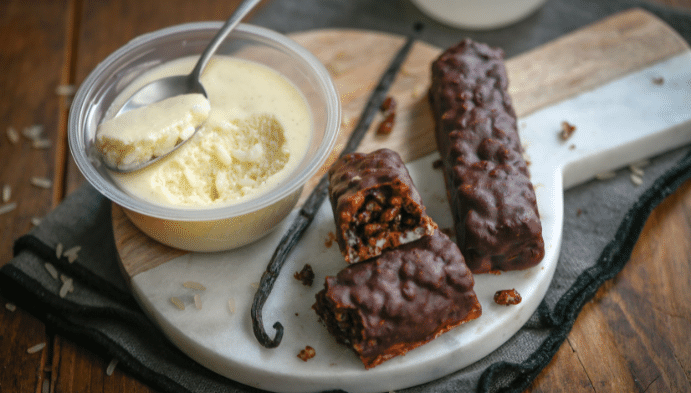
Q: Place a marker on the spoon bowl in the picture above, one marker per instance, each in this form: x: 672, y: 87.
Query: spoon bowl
x: 161, y: 89
x: 168, y: 87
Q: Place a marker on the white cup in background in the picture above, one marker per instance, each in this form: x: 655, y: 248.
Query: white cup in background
x: 478, y: 14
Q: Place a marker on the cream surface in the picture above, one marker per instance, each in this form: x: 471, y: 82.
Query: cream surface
x: 256, y: 134
x: 139, y: 135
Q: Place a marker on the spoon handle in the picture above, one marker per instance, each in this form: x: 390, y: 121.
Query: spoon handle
x: 243, y: 9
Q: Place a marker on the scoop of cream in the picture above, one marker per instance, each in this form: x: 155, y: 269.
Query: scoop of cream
x: 139, y: 135
x: 225, y: 161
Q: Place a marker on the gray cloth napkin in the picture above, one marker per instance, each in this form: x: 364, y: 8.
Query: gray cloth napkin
x: 602, y: 220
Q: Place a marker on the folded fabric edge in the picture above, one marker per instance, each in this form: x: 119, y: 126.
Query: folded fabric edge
x: 31, y: 296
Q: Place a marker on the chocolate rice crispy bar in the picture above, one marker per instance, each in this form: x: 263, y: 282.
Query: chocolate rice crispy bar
x: 492, y: 199
x: 404, y: 298
x: 375, y: 203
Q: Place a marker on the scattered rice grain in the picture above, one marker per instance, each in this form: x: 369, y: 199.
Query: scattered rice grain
x: 52, y: 270
x: 72, y: 253
x: 198, y: 301
x: 41, y: 182
x: 41, y: 144
x: 10, y: 307
x: 605, y: 175
x: 636, y: 170
x: 178, y: 303
x: 58, y: 250
x: 33, y: 132
x: 231, y: 305
x: 194, y: 285
x: 66, y: 288
x: 111, y: 367
x: 12, y: 135
x: 6, y: 193
x: 35, y: 221
x: 637, y: 180
x: 36, y: 348
x: 65, y: 90
x: 6, y: 208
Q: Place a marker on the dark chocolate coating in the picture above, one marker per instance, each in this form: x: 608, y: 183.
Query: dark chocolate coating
x: 386, y: 306
x: 492, y: 200
x: 375, y: 203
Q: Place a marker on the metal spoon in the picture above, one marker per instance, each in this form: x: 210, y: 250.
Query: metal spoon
x: 180, y: 84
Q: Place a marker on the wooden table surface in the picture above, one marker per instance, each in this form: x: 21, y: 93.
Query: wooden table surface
x: 633, y: 336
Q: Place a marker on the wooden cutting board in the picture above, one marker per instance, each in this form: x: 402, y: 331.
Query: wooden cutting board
x: 558, y: 72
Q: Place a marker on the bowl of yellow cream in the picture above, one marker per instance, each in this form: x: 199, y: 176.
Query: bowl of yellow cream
x: 272, y: 119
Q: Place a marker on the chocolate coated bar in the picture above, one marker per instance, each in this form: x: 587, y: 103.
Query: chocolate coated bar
x: 493, y: 202
x: 388, y: 305
x: 375, y: 203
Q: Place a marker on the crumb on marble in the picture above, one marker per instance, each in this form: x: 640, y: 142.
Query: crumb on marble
x: 567, y: 130
x: 307, y: 353
x: 506, y: 297
x: 306, y: 275
x: 330, y: 240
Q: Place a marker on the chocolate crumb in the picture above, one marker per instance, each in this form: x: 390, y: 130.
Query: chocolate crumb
x: 388, y: 109
x: 566, y: 130
x: 307, y: 353
x: 306, y: 275
x: 579, y: 212
x: 330, y: 240
x: 659, y: 81
x: 386, y: 126
x: 507, y: 297
x: 572, y: 147
x: 388, y: 105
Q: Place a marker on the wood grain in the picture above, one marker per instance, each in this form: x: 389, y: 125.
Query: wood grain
x: 633, y: 336
x: 31, y: 52
x: 47, y: 42
x: 138, y: 252
x: 579, y: 62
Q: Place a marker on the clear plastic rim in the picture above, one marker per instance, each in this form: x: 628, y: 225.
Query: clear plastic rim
x: 79, y: 111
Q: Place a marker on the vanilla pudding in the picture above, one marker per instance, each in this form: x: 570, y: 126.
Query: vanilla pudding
x: 257, y: 131
x: 298, y: 90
